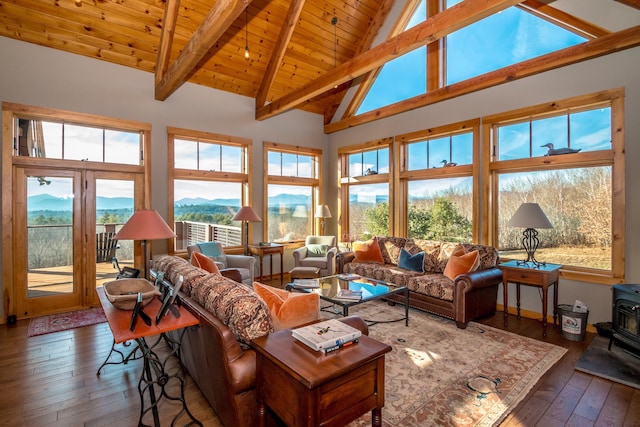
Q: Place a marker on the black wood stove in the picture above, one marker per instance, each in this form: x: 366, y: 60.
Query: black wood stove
x: 626, y: 316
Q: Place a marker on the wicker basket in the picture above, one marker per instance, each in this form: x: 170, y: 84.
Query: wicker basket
x: 123, y: 293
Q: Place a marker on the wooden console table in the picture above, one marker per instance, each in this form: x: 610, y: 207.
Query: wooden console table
x: 541, y: 276
x: 304, y: 387
x: 270, y: 249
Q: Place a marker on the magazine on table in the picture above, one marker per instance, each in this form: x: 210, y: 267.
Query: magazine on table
x: 326, y: 336
x: 347, y: 276
x: 349, y: 295
x: 306, y: 283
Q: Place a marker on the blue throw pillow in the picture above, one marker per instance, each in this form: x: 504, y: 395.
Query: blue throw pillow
x: 411, y: 262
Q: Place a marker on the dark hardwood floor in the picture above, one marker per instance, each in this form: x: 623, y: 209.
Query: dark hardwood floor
x: 51, y: 380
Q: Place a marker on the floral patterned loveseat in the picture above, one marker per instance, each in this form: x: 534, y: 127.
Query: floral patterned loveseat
x: 468, y: 296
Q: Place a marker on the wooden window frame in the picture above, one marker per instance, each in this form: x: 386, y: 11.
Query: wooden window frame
x: 244, y: 179
x: 313, y: 182
x: 614, y: 158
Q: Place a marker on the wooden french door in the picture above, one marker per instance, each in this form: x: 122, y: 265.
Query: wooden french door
x: 59, y: 216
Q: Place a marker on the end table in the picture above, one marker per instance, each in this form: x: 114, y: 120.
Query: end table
x: 304, y: 387
x: 270, y: 249
x: 541, y: 276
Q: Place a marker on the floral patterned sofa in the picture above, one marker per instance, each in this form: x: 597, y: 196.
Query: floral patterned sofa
x: 463, y: 297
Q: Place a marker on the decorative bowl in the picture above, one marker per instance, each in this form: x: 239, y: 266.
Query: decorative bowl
x: 123, y: 293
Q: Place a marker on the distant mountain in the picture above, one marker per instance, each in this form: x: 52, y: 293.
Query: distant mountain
x: 47, y: 202
x: 104, y: 203
x: 353, y: 199
x: 288, y: 200
x: 202, y: 201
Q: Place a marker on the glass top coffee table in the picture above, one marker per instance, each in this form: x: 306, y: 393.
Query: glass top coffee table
x: 333, y: 289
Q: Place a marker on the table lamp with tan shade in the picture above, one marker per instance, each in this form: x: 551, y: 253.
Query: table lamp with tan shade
x: 145, y: 225
x: 246, y: 214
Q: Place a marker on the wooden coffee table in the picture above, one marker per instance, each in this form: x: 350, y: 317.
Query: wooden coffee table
x: 303, y: 387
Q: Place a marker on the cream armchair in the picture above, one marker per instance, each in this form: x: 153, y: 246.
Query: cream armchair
x: 318, y: 251
x: 244, y: 264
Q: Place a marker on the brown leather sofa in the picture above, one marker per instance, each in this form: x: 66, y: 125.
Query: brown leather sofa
x: 468, y: 297
x: 223, y: 367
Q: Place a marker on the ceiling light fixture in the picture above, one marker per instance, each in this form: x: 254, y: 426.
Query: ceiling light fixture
x: 334, y: 22
x: 246, y: 32
x: 78, y: 2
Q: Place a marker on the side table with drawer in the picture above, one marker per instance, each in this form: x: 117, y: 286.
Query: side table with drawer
x: 541, y: 275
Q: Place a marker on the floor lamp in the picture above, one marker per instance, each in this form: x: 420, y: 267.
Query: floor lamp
x: 246, y: 214
x: 145, y: 225
x: 530, y: 216
x: 322, y: 211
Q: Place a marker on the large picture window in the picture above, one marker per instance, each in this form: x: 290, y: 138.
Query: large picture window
x: 366, y: 203
x: 571, y: 162
x: 292, y: 190
x: 437, y: 177
x: 209, y: 185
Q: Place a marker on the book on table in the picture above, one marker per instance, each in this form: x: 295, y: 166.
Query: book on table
x: 347, y: 276
x: 326, y: 336
x: 306, y: 283
x: 349, y: 295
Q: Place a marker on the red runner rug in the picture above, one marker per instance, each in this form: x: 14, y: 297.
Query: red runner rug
x: 63, y: 321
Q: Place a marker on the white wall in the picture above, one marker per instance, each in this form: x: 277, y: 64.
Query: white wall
x: 613, y: 71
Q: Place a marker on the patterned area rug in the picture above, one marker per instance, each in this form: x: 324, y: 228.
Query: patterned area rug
x: 440, y: 375
x: 63, y: 321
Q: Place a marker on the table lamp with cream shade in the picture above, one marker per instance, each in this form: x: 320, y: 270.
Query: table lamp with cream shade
x: 145, y: 225
x: 322, y: 211
x: 530, y: 216
x: 246, y: 214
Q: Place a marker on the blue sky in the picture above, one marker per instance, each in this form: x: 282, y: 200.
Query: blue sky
x: 506, y: 38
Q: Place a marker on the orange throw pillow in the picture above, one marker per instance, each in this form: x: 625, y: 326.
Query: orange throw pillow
x: 204, y: 262
x: 288, y: 309
x: 461, y: 264
x: 368, y: 251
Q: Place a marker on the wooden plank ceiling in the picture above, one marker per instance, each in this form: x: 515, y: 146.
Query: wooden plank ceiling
x: 128, y: 32
x: 302, y: 53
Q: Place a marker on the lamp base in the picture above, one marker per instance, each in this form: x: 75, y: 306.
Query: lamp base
x: 530, y: 243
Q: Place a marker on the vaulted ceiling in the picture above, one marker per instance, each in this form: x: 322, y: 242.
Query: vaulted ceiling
x: 301, y: 54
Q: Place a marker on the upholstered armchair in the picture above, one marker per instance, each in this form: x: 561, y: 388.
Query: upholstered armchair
x: 318, y: 251
x: 244, y: 264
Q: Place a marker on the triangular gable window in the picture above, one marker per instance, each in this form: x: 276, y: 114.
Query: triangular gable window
x: 504, y: 39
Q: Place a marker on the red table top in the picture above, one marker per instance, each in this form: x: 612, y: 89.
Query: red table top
x: 120, y: 320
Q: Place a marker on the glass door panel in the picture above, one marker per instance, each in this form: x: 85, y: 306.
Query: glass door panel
x: 48, y: 216
x: 49, y: 220
x: 114, y: 206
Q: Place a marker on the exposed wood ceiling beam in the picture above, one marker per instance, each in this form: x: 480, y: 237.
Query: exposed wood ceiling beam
x: 632, y: 3
x: 434, y: 28
x: 222, y: 14
x: 562, y: 19
x: 621, y: 40
x: 369, y: 78
x: 166, y: 38
x: 288, y: 27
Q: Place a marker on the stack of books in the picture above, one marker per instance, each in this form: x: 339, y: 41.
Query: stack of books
x: 349, y: 295
x: 306, y: 283
x: 327, y: 336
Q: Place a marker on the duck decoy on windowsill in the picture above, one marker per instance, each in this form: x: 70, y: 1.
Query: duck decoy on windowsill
x: 557, y: 151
